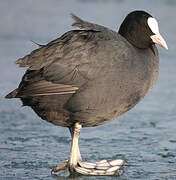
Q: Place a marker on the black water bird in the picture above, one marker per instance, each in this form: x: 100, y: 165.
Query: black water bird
x: 91, y: 76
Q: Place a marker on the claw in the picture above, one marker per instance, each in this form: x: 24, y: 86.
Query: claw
x: 60, y: 167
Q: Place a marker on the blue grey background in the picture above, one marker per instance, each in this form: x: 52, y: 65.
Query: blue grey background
x: 145, y: 136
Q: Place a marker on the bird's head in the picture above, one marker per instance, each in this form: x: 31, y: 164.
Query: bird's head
x: 141, y: 30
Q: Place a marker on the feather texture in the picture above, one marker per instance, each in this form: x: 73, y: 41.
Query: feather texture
x: 41, y: 88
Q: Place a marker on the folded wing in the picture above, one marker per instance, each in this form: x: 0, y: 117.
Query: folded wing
x: 41, y: 88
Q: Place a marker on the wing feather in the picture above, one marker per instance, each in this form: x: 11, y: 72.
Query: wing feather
x: 41, y: 88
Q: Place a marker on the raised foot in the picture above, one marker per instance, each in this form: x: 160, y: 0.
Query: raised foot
x: 101, y: 168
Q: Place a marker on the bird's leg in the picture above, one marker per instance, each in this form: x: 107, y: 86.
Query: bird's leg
x: 75, y: 155
x: 75, y: 163
x: 75, y: 131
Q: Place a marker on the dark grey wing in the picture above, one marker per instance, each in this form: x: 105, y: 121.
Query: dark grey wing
x: 69, y: 60
x: 46, y: 54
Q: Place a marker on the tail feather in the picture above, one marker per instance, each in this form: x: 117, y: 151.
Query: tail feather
x: 12, y: 94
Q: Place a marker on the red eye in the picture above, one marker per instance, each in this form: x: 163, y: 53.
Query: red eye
x: 143, y: 28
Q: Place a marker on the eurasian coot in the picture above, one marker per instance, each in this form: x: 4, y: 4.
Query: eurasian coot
x: 91, y: 76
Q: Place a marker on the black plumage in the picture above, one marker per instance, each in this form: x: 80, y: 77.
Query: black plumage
x: 91, y: 76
